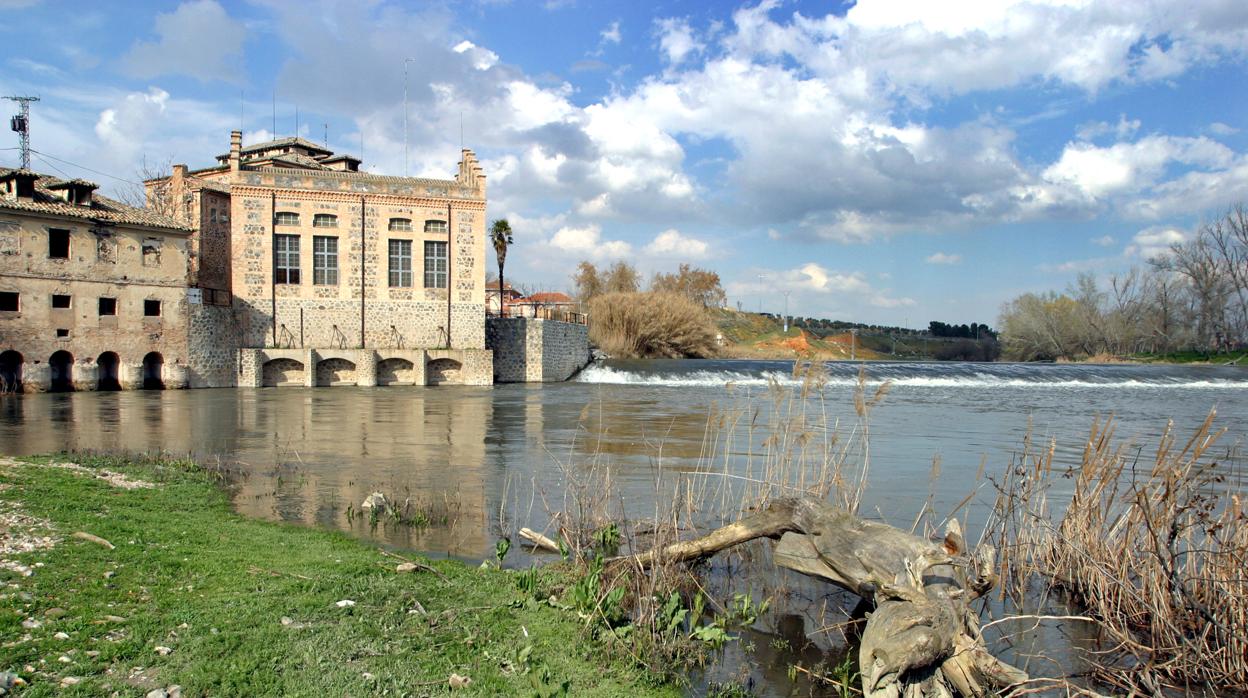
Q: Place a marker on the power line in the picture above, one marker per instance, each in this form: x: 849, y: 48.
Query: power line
x: 82, y: 167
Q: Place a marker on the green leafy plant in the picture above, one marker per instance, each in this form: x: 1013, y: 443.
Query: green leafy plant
x: 501, y: 546
x: 607, y: 539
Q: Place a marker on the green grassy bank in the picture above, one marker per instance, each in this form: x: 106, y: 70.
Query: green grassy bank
x: 196, y: 596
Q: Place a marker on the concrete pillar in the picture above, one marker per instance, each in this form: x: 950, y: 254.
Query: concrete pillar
x: 85, y: 376
x: 36, y: 378
x: 366, y: 368
x: 130, y: 376
x: 251, y: 362
x: 175, y: 376
x: 310, y: 359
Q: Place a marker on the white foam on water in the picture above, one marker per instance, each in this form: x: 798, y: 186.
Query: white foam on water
x: 607, y: 375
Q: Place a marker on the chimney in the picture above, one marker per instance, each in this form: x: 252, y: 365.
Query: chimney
x: 236, y: 150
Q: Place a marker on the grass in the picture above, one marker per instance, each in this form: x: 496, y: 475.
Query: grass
x: 250, y: 607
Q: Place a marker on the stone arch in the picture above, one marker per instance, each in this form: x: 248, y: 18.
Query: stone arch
x: 61, y: 371
x: 279, y: 372
x: 11, y: 372
x: 441, y: 371
x: 335, y: 372
x: 153, y: 371
x: 108, y: 377
x: 396, y: 372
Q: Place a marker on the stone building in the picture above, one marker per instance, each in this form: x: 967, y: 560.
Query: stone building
x: 93, y: 293
x: 320, y: 274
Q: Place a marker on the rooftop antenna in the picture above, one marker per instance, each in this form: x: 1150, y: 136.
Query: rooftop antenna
x: 274, y: 133
x: 461, y: 129
x: 326, y: 125
x: 296, y: 121
x: 21, y: 124
x: 240, y: 110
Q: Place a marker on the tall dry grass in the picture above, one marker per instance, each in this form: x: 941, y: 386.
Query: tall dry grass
x: 1153, y: 545
x: 651, y: 325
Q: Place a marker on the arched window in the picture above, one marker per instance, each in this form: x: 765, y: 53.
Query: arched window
x: 435, y: 226
x: 286, y: 218
x: 401, y: 224
x: 324, y: 220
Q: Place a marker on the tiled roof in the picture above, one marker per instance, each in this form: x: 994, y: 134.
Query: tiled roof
x: 284, y: 142
x: 212, y: 184
x: 299, y: 160
x: 101, y: 208
x: 551, y: 297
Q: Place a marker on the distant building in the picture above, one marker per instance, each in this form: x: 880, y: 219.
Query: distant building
x: 493, y: 306
x: 326, y: 275
x: 93, y: 293
x: 548, y: 305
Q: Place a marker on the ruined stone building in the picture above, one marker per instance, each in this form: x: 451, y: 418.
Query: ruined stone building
x: 306, y: 271
x: 92, y: 292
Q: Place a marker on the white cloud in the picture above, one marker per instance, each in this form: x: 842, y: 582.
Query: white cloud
x: 1220, y: 129
x: 587, y: 241
x: 677, y: 40
x: 611, y: 35
x: 1094, y: 172
x: 1154, y: 242
x: 670, y: 243
x: 943, y: 258
x: 1103, y: 241
x: 1123, y: 129
x: 198, y: 39
x: 482, y: 58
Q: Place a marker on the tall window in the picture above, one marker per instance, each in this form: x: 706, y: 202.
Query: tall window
x: 58, y: 244
x: 325, y: 260
x: 435, y: 265
x: 286, y: 218
x: 286, y: 259
x: 435, y: 226
x: 401, y: 224
x: 401, y: 263
x: 324, y: 220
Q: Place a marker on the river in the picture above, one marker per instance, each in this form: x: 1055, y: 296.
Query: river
x: 480, y: 462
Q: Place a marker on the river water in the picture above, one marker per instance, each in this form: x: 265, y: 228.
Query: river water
x: 480, y: 462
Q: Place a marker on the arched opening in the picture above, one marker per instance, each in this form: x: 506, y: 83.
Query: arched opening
x: 61, y: 366
x: 153, y: 365
x: 107, y: 366
x: 279, y: 372
x: 441, y: 371
x: 335, y: 372
x: 10, y: 372
x: 396, y: 372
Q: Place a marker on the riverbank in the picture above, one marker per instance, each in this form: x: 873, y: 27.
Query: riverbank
x: 171, y: 588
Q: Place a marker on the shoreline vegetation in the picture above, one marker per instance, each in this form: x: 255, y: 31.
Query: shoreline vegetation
x: 134, y: 575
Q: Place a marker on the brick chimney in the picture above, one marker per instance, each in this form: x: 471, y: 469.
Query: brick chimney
x: 236, y: 150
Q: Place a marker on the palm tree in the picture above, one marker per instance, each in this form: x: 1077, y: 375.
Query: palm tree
x: 500, y: 235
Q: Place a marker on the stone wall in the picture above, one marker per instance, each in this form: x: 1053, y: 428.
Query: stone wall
x: 534, y: 350
x: 329, y: 366
x: 212, y: 346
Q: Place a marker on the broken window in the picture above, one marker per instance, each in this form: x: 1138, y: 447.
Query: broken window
x: 58, y: 243
x: 151, y: 252
x: 8, y: 301
x: 60, y: 301
x: 151, y: 308
x: 108, y: 306
x: 62, y: 333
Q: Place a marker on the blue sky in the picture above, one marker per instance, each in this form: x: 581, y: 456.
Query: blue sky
x: 890, y: 161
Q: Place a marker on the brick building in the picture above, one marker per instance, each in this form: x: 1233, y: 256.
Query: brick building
x: 93, y: 293
x: 320, y: 274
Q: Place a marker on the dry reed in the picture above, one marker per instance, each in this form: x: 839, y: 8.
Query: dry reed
x: 651, y: 325
x: 1157, y: 552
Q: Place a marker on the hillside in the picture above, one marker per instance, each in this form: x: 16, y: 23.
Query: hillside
x: 754, y: 336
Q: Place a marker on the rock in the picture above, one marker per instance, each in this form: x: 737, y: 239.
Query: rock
x: 417, y: 608
x: 163, y: 651
x: 31, y: 624
x: 287, y: 620
x: 458, y: 681
x: 71, y: 681
x: 406, y: 567
x: 8, y: 680
x: 175, y: 691
x: 157, y: 693
x: 64, y: 659
x: 114, y: 619
x: 92, y: 653
x: 345, y: 603
x: 61, y: 636
x: 55, y: 612
x: 375, y: 500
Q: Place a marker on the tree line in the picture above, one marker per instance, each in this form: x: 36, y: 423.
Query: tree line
x: 1193, y: 297
x: 697, y: 285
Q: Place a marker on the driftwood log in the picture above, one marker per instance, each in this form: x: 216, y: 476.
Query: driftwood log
x: 922, y: 639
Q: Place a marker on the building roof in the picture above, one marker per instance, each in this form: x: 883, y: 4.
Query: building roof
x: 101, y: 209
x: 284, y: 143
x: 548, y: 297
